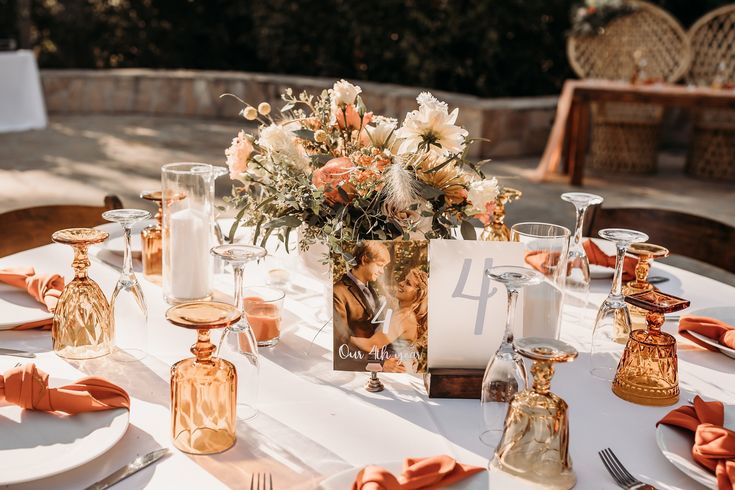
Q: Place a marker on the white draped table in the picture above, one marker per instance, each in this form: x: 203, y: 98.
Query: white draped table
x: 21, y: 96
x: 315, y: 422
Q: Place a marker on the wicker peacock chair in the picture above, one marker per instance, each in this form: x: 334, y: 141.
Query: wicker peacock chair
x: 647, y: 44
x: 712, y: 152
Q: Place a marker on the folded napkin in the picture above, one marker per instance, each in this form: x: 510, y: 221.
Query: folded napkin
x: 418, y: 473
x: 44, y: 288
x: 27, y: 387
x: 714, y: 445
x: 709, y: 327
x: 544, y: 262
x: 597, y: 257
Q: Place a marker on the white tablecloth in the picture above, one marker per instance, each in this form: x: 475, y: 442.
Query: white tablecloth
x: 21, y: 96
x: 315, y: 422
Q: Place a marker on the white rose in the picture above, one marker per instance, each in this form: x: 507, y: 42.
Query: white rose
x: 283, y: 143
x: 344, y: 93
x: 480, y: 193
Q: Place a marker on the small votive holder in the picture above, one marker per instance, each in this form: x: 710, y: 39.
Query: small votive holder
x: 263, y: 306
x: 648, y: 372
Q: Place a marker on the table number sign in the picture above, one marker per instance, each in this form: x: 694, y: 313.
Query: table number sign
x: 466, y: 308
x: 380, y: 307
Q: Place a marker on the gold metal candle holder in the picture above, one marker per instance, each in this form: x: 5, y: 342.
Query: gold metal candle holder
x: 646, y: 253
x: 535, y: 442
x: 497, y: 231
x: 203, y: 388
x: 648, y: 370
x: 81, y: 327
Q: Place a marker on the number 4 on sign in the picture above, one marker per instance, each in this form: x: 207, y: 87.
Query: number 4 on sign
x: 386, y: 319
x: 485, y: 291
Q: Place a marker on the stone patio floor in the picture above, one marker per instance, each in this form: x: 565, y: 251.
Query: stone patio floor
x: 80, y: 159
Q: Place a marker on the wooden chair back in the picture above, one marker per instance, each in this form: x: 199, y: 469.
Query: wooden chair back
x: 32, y: 227
x: 712, y: 38
x: 684, y: 234
x: 649, y: 33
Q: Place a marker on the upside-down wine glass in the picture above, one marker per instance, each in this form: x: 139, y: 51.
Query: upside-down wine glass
x: 127, y: 305
x: 238, y: 344
x: 612, y: 325
x: 577, y: 284
x: 505, y: 374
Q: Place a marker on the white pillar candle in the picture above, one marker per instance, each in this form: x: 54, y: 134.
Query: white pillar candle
x: 190, y: 259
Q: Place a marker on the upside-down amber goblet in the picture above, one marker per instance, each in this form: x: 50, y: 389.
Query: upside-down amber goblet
x: 203, y: 388
x: 535, y: 442
x: 645, y: 252
x: 648, y: 371
x: 81, y: 327
x: 497, y: 230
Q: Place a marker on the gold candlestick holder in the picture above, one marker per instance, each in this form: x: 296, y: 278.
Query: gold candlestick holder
x: 203, y: 388
x: 535, y: 442
x: 81, y: 328
x: 648, y: 371
x: 646, y: 253
x: 497, y: 231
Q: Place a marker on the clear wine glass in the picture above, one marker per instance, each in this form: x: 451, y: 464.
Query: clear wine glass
x: 505, y: 374
x: 127, y: 305
x: 238, y: 344
x: 577, y: 284
x: 612, y: 325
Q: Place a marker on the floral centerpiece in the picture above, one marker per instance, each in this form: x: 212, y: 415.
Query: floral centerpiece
x: 590, y: 17
x: 340, y: 173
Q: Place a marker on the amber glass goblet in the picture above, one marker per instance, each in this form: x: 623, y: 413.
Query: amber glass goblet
x: 204, y: 387
x: 81, y: 327
x: 645, y: 252
x: 535, y: 442
x: 648, y: 372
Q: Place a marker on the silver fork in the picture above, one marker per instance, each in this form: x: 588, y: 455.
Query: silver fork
x: 264, y: 481
x: 621, y: 476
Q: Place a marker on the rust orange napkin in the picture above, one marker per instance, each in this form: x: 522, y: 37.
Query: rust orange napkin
x: 709, y: 327
x: 27, y: 387
x: 597, y: 257
x: 418, y: 473
x: 714, y: 445
x: 44, y: 288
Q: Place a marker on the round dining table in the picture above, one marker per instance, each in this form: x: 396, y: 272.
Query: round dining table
x: 314, y: 422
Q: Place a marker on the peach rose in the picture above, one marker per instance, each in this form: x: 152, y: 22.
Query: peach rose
x: 353, y: 118
x: 487, y: 216
x: 238, y: 155
x: 333, y: 175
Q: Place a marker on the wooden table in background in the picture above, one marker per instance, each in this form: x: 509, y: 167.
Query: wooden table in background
x: 569, y: 137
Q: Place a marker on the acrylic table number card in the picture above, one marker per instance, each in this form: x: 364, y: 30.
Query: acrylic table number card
x: 466, y: 308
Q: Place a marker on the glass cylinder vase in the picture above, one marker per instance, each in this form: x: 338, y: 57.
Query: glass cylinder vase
x: 188, y: 222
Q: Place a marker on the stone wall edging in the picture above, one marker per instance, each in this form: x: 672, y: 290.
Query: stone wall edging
x: 515, y: 127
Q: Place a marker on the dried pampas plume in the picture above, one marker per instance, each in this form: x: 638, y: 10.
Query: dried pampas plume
x: 400, y: 187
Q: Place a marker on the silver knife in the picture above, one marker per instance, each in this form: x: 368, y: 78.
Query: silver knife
x: 136, y: 465
x: 16, y: 353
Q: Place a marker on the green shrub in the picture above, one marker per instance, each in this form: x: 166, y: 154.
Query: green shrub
x: 491, y: 48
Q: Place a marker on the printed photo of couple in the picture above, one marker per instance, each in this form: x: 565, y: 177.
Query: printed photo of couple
x: 381, y: 306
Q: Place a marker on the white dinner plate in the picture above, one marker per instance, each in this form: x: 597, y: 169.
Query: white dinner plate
x: 344, y: 479
x: 46, y: 444
x: 116, y: 242
x: 723, y: 313
x: 676, y: 445
x: 19, y: 307
x: 600, y: 272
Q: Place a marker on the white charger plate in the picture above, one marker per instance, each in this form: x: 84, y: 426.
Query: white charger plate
x: 19, y: 307
x: 723, y: 313
x: 344, y: 479
x: 116, y: 242
x: 676, y: 446
x: 46, y: 444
